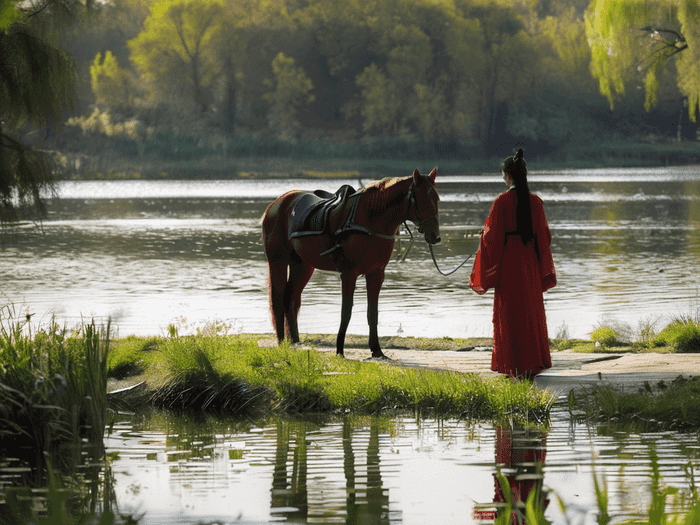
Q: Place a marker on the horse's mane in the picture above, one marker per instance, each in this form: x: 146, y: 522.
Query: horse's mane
x: 382, y: 193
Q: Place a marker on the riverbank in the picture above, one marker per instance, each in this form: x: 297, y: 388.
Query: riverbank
x: 246, y: 375
x: 113, y: 165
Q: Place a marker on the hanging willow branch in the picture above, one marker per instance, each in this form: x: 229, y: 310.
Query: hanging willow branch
x: 37, y: 83
x: 667, y: 42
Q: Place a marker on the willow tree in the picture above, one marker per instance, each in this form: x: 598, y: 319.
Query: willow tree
x: 629, y: 37
x: 36, y: 86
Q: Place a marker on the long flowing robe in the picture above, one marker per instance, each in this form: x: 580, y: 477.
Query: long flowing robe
x: 519, y: 274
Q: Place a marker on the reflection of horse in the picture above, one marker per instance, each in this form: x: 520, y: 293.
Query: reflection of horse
x: 349, y: 232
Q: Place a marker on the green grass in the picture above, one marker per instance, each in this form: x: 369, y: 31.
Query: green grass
x: 53, y: 410
x: 681, y: 335
x: 232, y: 374
x: 667, y: 406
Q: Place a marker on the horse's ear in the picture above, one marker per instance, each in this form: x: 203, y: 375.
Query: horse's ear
x: 416, y: 177
x: 433, y: 174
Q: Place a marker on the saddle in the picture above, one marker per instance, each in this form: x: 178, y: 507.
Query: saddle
x: 312, y: 211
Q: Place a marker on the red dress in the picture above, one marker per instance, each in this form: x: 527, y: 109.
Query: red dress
x: 519, y: 277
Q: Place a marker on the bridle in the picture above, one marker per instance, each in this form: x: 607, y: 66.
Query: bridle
x: 411, y: 197
x: 413, y: 202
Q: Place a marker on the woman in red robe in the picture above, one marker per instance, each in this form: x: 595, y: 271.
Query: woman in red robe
x: 515, y: 260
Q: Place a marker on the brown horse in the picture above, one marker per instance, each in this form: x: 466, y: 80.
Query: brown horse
x: 354, y: 237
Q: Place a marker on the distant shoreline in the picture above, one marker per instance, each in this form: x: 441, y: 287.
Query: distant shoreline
x: 112, y: 166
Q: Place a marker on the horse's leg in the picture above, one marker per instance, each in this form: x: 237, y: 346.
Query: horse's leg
x: 349, y: 280
x: 299, y: 275
x: 374, y: 284
x: 278, y: 283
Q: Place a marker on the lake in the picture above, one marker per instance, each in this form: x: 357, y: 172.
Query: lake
x: 402, y: 470
x: 149, y: 254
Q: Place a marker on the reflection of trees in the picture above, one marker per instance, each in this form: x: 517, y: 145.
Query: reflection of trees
x: 520, y: 454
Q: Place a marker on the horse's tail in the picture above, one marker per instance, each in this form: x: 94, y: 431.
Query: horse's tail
x: 277, y: 252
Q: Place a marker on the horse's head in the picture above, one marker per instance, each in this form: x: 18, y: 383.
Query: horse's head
x: 424, y: 206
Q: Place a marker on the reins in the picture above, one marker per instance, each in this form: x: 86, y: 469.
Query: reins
x: 454, y: 269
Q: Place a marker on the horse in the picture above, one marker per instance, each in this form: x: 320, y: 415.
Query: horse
x: 350, y: 232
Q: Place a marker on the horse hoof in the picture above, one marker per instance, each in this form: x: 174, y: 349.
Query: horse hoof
x: 340, y: 354
x: 379, y: 357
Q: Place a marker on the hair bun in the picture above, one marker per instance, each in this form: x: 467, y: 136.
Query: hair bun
x: 519, y: 154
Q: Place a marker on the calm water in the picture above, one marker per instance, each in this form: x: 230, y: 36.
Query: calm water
x: 403, y: 471
x: 148, y: 254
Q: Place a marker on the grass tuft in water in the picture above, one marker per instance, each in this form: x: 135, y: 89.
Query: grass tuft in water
x: 670, y: 406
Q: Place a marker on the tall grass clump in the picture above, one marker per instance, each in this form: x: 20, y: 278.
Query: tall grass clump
x: 662, y: 406
x: 204, y: 372
x: 189, y: 375
x: 53, y: 386
x: 683, y: 334
x: 605, y: 336
x: 53, y: 405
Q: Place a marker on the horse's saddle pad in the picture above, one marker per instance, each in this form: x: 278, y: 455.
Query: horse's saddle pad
x: 311, y: 211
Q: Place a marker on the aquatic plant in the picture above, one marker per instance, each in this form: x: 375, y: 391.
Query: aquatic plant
x: 53, y: 393
x: 661, y: 406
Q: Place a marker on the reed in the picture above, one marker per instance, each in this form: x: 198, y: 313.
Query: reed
x: 53, y: 393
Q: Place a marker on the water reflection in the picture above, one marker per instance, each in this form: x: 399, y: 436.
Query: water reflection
x: 289, y: 493
x: 372, y: 505
x: 520, y: 455
x: 366, y: 500
x: 404, y: 470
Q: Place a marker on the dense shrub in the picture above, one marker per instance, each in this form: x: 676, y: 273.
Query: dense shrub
x: 604, y: 335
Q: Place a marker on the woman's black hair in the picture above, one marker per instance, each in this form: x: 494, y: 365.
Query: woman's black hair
x: 516, y: 167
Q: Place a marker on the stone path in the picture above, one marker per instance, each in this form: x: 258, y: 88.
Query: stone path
x: 570, y: 370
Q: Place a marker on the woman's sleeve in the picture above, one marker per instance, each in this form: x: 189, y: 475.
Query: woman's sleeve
x: 544, y: 238
x: 487, y: 264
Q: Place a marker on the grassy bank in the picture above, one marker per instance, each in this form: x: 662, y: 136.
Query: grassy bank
x: 233, y: 375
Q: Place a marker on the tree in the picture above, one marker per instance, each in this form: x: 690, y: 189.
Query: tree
x: 291, y: 91
x: 110, y: 83
x: 176, y: 51
x: 632, y: 37
x: 381, y: 106
x: 36, y: 87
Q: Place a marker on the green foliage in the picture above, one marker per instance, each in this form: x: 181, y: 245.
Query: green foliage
x: 604, y: 335
x: 683, y: 334
x: 36, y: 88
x: 176, y: 51
x: 621, y: 47
x: 291, y: 91
x: 8, y: 14
x: 110, y: 83
x: 381, y: 105
x: 53, y: 392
